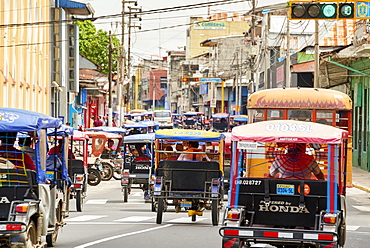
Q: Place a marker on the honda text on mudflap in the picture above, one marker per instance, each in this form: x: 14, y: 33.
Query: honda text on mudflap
x: 188, y: 175
x: 296, y: 197
x: 32, y: 207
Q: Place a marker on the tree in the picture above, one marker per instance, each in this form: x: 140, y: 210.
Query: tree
x: 94, y: 46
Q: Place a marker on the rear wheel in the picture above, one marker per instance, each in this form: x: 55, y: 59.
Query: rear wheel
x: 79, y: 201
x: 94, y: 177
x: 215, y: 212
x: 117, y: 173
x: 107, y: 171
x: 51, y: 239
x: 160, y: 211
x: 31, y: 238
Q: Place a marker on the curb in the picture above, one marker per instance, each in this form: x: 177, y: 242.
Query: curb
x: 361, y: 187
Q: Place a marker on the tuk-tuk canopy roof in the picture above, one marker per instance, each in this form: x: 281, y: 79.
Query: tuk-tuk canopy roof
x: 301, y: 98
x: 193, y: 135
x: 61, y: 131
x: 240, y: 118
x: 13, y: 120
x: 107, y: 129
x: 150, y: 123
x: 139, y: 138
x: 220, y: 115
x: 289, y: 131
x: 103, y: 135
x: 191, y: 113
x: 135, y: 125
x: 78, y: 135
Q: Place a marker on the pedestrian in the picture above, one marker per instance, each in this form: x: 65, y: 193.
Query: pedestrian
x: 98, y: 122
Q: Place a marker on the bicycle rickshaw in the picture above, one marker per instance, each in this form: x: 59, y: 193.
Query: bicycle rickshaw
x: 137, y: 153
x: 292, y: 208
x: 32, y: 205
x: 190, y: 120
x: 193, y: 185
x: 238, y: 120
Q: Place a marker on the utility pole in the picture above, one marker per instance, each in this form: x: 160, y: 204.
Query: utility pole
x: 130, y: 17
x: 265, y: 76
x: 287, y: 56
x: 110, y: 111
x: 125, y: 69
x: 317, y: 56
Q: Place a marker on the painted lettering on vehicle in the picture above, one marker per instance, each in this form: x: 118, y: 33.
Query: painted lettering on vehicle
x: 281, y: 207
x: 4, y: 199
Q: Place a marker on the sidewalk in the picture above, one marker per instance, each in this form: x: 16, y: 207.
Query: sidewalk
x: 361, y: 179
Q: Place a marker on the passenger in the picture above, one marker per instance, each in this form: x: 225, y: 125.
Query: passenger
x: 18, y: 158
x: 110, y: 145
x: 58, y: 150
x: 170, y: 156
x: 296, y: 164
x: 193, y: 147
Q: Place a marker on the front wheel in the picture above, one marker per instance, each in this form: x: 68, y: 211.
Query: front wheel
x: 94, y: 177
x: 215, y: 212
x: 107, y: 171
x: 125, y: 194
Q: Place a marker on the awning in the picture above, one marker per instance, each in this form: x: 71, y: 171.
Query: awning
x: 304, y: 67
x: 75, y: 8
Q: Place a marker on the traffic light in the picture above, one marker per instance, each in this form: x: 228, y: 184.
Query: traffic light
x: 346, y: 10
x: 190, y: 79
x: 322, y: 10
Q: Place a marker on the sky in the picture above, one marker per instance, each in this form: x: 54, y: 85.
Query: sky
x: 148, y: 43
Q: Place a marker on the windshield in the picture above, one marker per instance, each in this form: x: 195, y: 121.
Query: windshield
x: 162, y: 114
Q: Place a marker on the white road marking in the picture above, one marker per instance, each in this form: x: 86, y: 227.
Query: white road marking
x: 352, y: 228
x: 120, y: 236
x: 136, y: 194
x: 86, y: 217
x: 362, y: 208
x: 186, y: 220
x: 136, y: 218
x: 102, y: 201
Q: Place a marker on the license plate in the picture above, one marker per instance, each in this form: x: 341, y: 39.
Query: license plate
x: 50, y: 175
x: 284, y: 189
x: 185, y: 204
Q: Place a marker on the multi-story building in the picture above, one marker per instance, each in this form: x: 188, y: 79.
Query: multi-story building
x: 39, y: 62
x: 25, y: 55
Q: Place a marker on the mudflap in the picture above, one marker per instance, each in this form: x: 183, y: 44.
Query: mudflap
x: 230, y: 243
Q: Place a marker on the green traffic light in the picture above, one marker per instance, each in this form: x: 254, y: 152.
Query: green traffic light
x: 328, y: 11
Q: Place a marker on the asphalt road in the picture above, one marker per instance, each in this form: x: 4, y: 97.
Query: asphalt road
x: 108, y: 222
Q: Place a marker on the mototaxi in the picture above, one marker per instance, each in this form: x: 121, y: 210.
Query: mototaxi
x: 109, y: 162
x: 193, y: 185
x: 33, y: 207
x: 286, y: 210
x: 137, y: 150
x: 220, y: 122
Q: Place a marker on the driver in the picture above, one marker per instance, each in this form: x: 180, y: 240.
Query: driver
x: 193, y: 147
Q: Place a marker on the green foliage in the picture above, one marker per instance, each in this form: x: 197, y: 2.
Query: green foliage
x: 94, y: 45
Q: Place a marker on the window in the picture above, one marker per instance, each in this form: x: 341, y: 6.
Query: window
x: 300, y: 115
x: 274, y: 114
